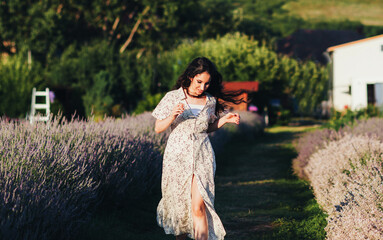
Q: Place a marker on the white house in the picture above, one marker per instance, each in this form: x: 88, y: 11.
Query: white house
x: 356, y: 74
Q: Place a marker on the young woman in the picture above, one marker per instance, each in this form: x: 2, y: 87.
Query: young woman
x: 191, y: 111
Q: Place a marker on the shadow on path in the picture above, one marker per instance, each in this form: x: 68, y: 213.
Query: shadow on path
x: 258, y: 197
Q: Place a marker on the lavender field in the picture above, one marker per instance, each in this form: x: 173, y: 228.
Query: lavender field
x: 345, y: 169
x: 54, y: 176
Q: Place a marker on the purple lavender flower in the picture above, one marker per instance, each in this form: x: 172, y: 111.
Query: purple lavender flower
x: 53, y: 175
x: 51, y: 96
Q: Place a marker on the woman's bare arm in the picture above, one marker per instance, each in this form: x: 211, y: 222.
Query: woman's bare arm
x: 162, y: 125
x: 228, y: 118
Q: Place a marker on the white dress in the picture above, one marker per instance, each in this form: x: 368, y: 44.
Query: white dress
x: 188, y: 151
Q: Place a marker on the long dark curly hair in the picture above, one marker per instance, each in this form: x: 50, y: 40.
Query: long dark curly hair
x: 203, y: 64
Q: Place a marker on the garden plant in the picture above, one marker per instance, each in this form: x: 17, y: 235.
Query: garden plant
x: 344, y: 168
x: 54, y: 175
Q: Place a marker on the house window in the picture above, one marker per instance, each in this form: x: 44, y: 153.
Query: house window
x: 381, y: 48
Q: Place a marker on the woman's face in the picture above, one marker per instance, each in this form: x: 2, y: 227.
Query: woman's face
x: 199, y: 84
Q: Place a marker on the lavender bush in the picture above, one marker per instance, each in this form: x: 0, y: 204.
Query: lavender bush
x: 344, y: 168
x: 52, y: 176
x: 314, y: 141
x: 369, y: 127
x: 310, y: 143
x: 251, y: 125
x: 347, y: 179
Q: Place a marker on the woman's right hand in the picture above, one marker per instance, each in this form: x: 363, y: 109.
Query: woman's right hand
x: 178, y: 109
x: 162, y: 125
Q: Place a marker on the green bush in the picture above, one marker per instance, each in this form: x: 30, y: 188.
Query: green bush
x: 97, y: 99
x: 148, y: 103
x: 279, y: 116
x: 339, y: 120
x: 81, y: 73
x: 239, y: 58
x: 105, y: 78
x: 77, y: 66
x: 93, y: 72
x: 129, y: 79
x: 17, y: 80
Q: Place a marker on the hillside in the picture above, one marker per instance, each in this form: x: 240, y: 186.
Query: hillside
x: 368, y: 12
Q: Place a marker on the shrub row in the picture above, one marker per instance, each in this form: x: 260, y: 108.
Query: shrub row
x: 345, y: 169
x: 240, y: 58
x: 314, y: 141
x: 17, y: 79
x: 97, y: 79
x: 53, y: 176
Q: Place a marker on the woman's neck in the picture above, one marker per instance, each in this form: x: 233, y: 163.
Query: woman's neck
x: 193, y: 96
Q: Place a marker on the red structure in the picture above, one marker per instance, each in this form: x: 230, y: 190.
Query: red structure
x: 249, y: 87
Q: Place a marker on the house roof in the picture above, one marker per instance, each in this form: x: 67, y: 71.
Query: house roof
x: 236, y: 86
x: 333, y: 48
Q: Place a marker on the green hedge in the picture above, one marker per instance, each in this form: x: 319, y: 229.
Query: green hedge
x: 239, y: 58
x: 17, y: 80
x: 96, y: 77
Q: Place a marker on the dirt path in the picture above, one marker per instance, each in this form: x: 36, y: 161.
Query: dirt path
x: 257, y: 195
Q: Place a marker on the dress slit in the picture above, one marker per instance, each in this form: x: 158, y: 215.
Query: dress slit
x: 203, y: 195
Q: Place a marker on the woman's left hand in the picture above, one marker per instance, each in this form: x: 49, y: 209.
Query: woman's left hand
x: 232, y: 118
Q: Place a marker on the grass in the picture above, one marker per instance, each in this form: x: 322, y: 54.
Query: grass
x: 257, y: 197
x: 368, y: 12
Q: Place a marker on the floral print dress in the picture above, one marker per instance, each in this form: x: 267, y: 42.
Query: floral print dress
x: 188, y: 151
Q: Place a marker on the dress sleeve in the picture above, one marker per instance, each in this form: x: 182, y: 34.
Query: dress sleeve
x: 212, y: 118
x: 164, y: 107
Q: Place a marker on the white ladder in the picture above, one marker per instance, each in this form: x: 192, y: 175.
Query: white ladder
x: 43, y: 106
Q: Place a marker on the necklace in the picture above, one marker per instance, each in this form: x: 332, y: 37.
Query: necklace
x: 193, y: 96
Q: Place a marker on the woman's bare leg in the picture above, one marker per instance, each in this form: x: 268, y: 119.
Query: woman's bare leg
x: 198, y: 213
x: 181, y: 237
